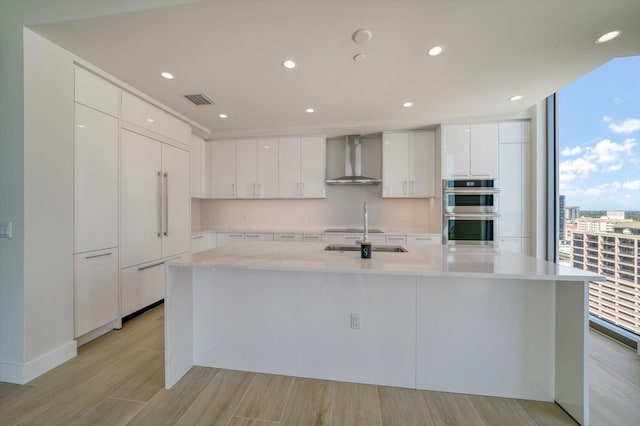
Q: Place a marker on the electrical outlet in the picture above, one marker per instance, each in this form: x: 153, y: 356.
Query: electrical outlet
x: 5, y: 230
x: 355, y: 321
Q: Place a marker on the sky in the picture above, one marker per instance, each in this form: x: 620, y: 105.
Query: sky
x: 599, y: 137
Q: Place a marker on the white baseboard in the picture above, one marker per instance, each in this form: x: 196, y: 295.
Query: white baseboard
x: 23, y: 373
x: 87, y: 337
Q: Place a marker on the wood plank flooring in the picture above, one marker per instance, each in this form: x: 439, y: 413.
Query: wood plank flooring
x: 118, y: 379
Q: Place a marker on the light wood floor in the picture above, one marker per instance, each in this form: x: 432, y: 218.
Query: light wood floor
x: 118, y: 379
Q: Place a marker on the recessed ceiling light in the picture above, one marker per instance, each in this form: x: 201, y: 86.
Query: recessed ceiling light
x: 359, y: 57
x: 167, y: 75
x: 150, y: 120
x: 608, y: 36
x: 362, y: 36
x: 289, y: 64
x: 515, y: 98
x: 310, y: 110
x: 407, y: 104
x: 81, y: 126
x: 223, y: 115
x: 435, y: 51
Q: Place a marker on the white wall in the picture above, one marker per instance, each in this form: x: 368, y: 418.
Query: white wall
x: 35, y: 280
x: 342, y: 207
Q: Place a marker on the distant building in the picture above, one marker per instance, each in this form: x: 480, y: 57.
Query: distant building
x: 616, y: 255
x: 561, y: 219
x: 603, y: 224
x: 571, y: 213
x: 615, y: 215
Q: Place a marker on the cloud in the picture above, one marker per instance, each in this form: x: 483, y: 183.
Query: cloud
x: 606, y: 151
x: 630, y: 125
x: 632, y: 185
x: 607, y: 119
x: 613, y: 168
x: 571, y: 151
x: 580, y: 167
x: 618, y: 100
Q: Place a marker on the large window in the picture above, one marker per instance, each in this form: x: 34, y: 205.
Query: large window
x: 599, y: 186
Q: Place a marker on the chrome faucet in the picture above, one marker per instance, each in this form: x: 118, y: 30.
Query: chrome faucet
x: 365, y: 237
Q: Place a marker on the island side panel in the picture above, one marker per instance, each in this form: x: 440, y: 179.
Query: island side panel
x: 381, y: 351
x: 572, y: 322
x: 178, y: 324
x: 486, y: 336
x: 245, y: 319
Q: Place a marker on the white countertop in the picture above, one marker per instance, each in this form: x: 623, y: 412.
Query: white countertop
x: 425, y: 260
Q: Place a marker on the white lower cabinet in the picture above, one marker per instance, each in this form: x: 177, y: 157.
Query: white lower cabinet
x: 424, y: 239
x: 228, y: 237
x: 396, y: 239
x: 514, y: 244
x: 252, y: 236
x: 312, y: 238
x: 141, y: 286
x: 352, y: 238
x: 199, y: 242
x: 212, y: 240
x: 95, y: 289
x: 287, y: 237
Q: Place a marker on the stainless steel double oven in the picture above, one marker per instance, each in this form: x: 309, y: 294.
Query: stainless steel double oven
x: 470, y: 211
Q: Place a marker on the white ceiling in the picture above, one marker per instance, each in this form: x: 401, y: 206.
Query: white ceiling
x: 232, y: 51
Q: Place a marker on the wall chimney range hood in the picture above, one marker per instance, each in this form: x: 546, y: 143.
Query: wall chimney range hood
x: 353, y: 165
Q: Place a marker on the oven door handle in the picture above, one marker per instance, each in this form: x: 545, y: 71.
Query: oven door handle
x: 478, y: 216
x: 479, y: 191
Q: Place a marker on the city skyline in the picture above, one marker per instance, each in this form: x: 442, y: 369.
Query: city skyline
x: 599, y: 125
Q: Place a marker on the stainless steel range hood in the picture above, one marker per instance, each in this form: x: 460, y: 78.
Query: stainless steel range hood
x: 353, y: 165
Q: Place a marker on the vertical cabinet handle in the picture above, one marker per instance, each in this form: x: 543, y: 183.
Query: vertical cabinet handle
x: 159, y: 204
x: 255, y: 191
x: 166, y: 204
x: 404, y: 187
x: 298, y: 188
x: 302, y: 191
x: 233, y: 189
x: 411, y: 187
x: 259, y: 190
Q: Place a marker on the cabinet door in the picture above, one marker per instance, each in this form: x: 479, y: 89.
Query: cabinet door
x: 223, y: 169
x: 483, y: 151
x: 246, y: 169
x: 313, y: 155
x: 257, y: 237
x: 197, y: 154
x: 289, y: 167
x: 455, y: 151
x: 267, y: 168
x: 511, y: 195
x: 141, y: 113
x: 395, y: 165
x: 177, y: 203
x: 96, y: 92
x: 141, y: 286
x: 199, y: 243
x: 95, y: 180
x: 288, y: 237
x: 141, y: 195
x: 424, y: 239
x: 223, y: 238
x: 422, y: 149
x: 95, y: 289
x: 511, y: 244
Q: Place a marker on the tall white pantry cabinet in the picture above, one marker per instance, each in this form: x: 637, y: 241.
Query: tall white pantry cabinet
x: 131, y: 202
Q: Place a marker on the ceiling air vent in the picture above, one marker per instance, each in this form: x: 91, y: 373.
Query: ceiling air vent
x: 200, y: 99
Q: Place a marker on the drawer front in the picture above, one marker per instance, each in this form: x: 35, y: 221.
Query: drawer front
x: 95, y: 289
x: 252, y: 236
x: 95, y: 92
x: 199, y: 242
x: 312, y: 238
x: 288, y: 237
x: 228, y: 237
x: 341, y: 238
x: 141, y: 113
x: 396, y: 239
x: 424, y: 239
x: 141, y: 286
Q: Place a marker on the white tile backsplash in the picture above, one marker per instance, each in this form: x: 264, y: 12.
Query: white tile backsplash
x: 342, y: 207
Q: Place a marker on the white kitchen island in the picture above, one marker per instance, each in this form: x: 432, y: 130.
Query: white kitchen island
x: 456, y: 319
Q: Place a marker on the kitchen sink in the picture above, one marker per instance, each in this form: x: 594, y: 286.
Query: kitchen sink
x: 385, y: 249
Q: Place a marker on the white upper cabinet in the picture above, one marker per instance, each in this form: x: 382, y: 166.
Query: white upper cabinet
x: 289, y: 167
x: 95, y: 180
x: 470, y: 151
x: 142, y: 114
x: 95, y: 92
x: 302, y: 167
x: 223, y: 169
x: 408, y: 164
x: 267, y: 168
x: 313, y: 154
x: 246, y: 168
x: 198, y: 167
